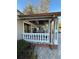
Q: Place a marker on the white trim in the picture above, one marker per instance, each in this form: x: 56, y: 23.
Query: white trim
x: 56, y: 31
x: 29, y: 23
x: 23, y: 27
x: 36, y: 18
x: 49, y: 26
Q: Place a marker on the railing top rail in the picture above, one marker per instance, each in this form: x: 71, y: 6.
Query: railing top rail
x: 36, y: 33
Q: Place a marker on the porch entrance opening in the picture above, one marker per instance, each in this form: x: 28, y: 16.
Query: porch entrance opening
x: 41, y: 26
x: 27, y: 28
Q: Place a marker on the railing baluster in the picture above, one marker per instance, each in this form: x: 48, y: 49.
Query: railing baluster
x: 39, y: 37
x: 25, y: 36
x: 36, y: 37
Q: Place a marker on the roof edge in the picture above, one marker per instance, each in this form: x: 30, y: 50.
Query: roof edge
x: 20, y: 12
x: 43, y: 14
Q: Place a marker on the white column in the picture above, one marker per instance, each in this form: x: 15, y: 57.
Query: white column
x: 49, y: 26
x: 56, y: 31
x: 31, y: 28
x: 49, y: 30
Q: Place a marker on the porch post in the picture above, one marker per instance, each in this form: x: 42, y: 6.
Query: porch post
x: 55, y: 31
x: 49, y: 30
x: 31, y: 28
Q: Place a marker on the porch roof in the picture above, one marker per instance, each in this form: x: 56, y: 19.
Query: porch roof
x: 40, y: 16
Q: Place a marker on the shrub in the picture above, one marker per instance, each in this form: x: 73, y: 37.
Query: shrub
x: 25, y: 50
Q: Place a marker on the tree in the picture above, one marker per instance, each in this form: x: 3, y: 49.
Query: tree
x: 28, y: 9
x: 42, y: 6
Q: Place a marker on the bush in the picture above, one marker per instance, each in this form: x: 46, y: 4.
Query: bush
x: 25, y: 50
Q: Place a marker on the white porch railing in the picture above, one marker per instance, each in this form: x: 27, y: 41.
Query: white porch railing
x: 37, y: 37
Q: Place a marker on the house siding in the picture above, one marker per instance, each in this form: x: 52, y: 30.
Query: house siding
x: 19, y: 26
x: 19, y: 29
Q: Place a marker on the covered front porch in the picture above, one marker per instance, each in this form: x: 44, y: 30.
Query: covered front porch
x: 37, y: 28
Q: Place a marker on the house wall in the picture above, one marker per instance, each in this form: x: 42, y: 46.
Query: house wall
x: 19, y: 29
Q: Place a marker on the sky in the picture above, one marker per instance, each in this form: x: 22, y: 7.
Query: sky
x: 55, y: 5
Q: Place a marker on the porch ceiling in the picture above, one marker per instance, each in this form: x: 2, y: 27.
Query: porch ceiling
x: 39, y: 22
x: 41, y: 16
